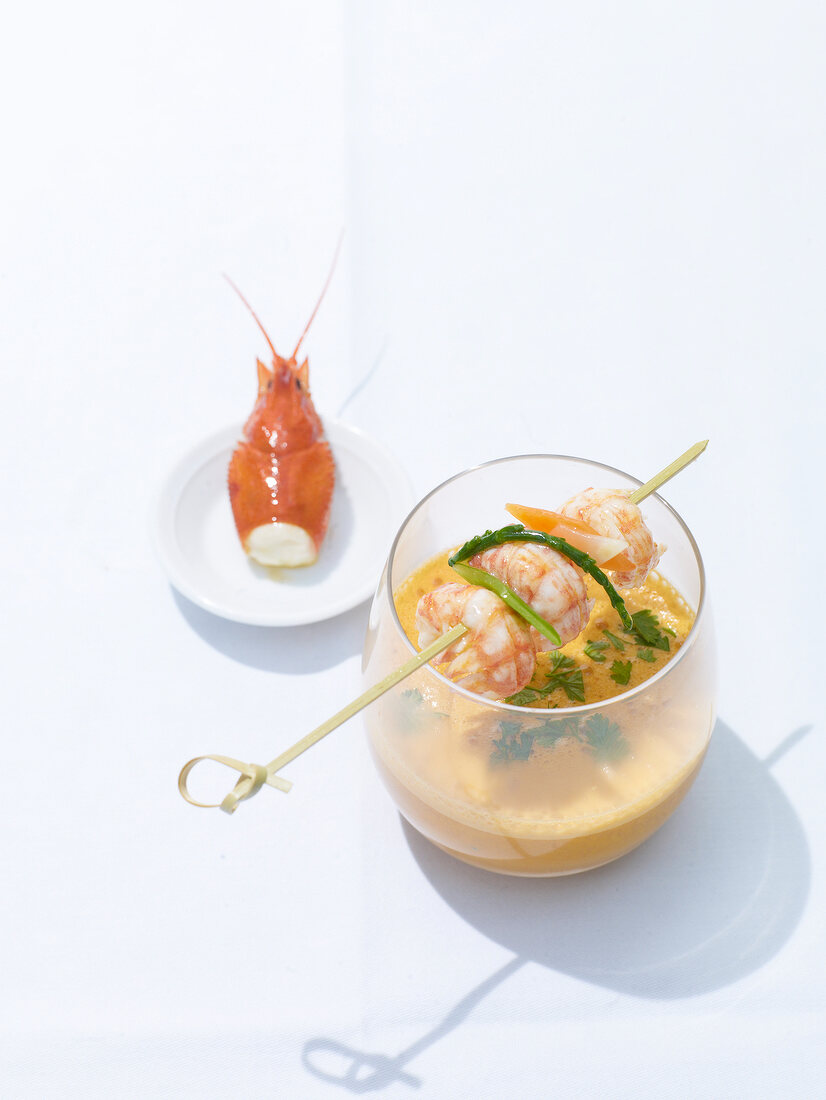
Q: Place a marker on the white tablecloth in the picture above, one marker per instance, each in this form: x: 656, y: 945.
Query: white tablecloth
x: 590, y: 229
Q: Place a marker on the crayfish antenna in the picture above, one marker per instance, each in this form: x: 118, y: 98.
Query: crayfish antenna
x: 321, y: 296
x: 254, y: 314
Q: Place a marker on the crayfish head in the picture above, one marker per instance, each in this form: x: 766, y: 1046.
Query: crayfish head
x: 284, y: 417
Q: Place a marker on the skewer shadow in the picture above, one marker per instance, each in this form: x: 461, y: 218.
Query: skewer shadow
x: 710, y: 898
x: 290, y: 649
x: 362, y: 1071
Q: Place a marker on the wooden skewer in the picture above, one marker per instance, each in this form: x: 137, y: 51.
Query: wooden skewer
x: 668, y: 472
x: 255, y: 776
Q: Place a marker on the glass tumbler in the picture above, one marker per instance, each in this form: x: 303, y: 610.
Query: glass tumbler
x: 523, y: 791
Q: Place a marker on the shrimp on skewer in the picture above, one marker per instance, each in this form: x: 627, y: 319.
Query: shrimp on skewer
x: 496, y: 657
x: 282, y: 474
x: 544, y: 579
x: 609, y: 512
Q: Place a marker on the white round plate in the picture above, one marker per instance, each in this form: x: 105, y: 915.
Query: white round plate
x: 199, y: 547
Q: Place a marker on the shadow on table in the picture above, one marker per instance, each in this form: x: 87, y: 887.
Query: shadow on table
x: 709, y: 898
x: 289, y: 649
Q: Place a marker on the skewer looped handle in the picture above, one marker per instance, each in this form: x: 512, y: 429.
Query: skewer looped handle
x: 253, y: 778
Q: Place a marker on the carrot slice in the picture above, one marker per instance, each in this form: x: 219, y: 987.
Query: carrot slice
x: 608, y: 553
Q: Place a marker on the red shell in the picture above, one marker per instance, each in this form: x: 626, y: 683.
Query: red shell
x: 283, y: 469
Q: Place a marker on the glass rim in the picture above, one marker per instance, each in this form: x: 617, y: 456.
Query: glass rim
x: 559, y: 712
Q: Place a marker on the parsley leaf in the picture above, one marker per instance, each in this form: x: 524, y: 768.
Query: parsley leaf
x: 646, y: 655
x: 564, y: 674
x: 646, y: 630
x: 514, y: 744
x: 594, y: 651
x: 621, y: 672
x: 416, y: 710
x: 605, y: 738
x: 554, y: 729
x: 616, y: 642
x: 525, y: 697
x: 567, y: 676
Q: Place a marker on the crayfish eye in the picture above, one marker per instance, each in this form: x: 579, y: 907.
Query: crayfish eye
x: 298, y: 383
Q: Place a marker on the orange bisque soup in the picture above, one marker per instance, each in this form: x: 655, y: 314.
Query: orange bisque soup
x: 545, y: 783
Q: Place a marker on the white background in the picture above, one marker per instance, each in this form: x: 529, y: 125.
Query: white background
x: 592, y: 228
